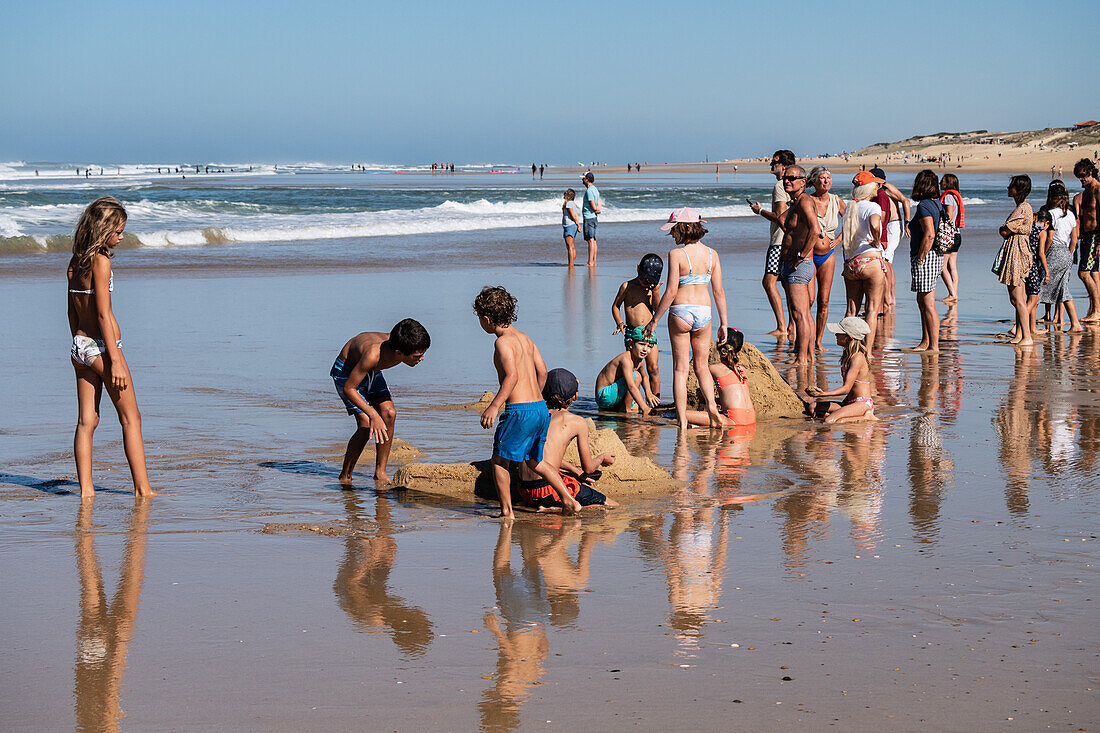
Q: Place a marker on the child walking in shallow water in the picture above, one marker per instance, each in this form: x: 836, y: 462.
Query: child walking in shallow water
x: 855, y: 367
x: 692, y: 270
x: 97, y: 343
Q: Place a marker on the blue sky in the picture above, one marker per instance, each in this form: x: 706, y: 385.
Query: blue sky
x: 511, y: 81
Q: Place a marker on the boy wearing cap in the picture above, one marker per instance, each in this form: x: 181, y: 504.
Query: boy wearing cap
x: 521, y: 433
x: 560, y: 392
x: 589, y: 211
x: 639, y: 298
x: 619, y: 385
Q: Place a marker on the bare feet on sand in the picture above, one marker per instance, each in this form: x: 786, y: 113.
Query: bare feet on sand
x: 380, y: 475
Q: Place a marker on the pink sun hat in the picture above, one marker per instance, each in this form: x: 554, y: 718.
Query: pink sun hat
x: 686, y: 215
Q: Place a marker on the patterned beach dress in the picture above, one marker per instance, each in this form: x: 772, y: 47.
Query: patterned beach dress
x: 1034, y: 281
x: 1013, y: 261
x: 1059, y: 259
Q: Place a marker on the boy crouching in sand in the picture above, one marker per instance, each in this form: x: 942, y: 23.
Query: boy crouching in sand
x: 521, y: 371
x: 357, y: 374
x: 560, y: 392
x: 639, y: 298
x: 619, y: 386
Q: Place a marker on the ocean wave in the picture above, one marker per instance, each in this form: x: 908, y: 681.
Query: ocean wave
x: 191, y: 221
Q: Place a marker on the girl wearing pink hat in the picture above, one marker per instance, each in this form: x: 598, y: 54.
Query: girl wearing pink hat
x: 693, y: 267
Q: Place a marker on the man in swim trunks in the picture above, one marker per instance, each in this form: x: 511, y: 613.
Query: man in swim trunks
x: 1088, y: 244
x: 797, y: 269
x: 780, y: 201
x: 590, y: 211
x: 620, y: 385
x: 357, y: 374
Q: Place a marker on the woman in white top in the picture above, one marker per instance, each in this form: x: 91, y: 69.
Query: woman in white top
x: 570, y: 223
x: 1057, y: 254
x: 864, y: 265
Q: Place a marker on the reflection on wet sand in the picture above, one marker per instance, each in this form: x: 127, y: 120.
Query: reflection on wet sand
x: 1014, y: 423
x: 103, y: 635
x: 931, y: 467
x: 362, y: 581
x: 545, y: 589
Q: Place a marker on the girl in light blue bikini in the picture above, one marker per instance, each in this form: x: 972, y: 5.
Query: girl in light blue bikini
x: 692, y: 268
x: 97, y: 343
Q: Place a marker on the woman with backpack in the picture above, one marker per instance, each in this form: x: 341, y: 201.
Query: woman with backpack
x: 953, y: 205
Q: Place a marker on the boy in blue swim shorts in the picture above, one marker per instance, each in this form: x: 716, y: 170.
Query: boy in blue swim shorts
x: 620, y: 385
x: 357, y: 375
x: 521, y: 431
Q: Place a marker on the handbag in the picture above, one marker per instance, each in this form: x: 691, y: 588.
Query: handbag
x: 945, y: 234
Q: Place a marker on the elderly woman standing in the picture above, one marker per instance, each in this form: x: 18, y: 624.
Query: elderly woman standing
x: 827, y: 208
x: 864, y: 263
x: 1013, y: 262
x: 926, y: 263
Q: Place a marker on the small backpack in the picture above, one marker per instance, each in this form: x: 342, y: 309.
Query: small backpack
x: 945, y: 234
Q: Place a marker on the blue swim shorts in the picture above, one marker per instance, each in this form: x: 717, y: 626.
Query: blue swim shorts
x: 612, y: 396
x: 373, y: 388
x: 569, y: 231
x: 590, y: 228
x: 800, y: 275
x: 521, y: 431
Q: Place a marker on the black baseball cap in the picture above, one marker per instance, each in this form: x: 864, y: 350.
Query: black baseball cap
x: 878, y: 173
x: 560, y: 383
x: 588, y: 177
x: 650, y: 269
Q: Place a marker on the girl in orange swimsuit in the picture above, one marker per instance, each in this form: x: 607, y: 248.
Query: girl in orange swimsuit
x: 732, y: 384
x: 855, y: 367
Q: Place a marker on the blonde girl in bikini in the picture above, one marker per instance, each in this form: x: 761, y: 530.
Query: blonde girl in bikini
x: 97, y: 343
x: 694, y: 274
x: 855, y: 367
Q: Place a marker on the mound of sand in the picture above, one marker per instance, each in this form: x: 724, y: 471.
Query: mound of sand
x: 771, y: 395
x: 479, y: 405
x: 399, y: 452
x: 630, y: 476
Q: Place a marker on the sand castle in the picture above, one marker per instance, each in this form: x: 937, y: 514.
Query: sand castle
x: 630, y: 475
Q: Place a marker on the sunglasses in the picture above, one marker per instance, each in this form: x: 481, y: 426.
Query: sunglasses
x: 793, y: 178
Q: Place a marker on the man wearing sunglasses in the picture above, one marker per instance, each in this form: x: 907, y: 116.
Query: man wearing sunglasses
x: 780, y: 200
x: 1087, y: 204
x: 797, y: 271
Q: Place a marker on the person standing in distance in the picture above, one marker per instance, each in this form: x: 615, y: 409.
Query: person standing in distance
x: 590, y: 211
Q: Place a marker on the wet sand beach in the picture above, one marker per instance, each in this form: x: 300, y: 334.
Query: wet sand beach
x: 934, y: 570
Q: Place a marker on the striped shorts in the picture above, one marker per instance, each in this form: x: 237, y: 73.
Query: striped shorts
x: 926, y: 272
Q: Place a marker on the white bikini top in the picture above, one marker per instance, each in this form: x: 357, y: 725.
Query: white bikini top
x: 110, y: 287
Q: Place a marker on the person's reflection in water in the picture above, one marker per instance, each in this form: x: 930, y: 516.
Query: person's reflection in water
x: 811, y: 454
x: 1013, y: 423
x: 545, y: 589
x: 103, y: 636
x: 930, y: 466
x: 362, y: 580
x: 863, y: 450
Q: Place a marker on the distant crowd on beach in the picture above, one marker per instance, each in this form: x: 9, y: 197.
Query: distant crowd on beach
x: 530, y: 410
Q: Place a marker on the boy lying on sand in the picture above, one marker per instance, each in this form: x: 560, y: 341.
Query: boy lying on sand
x: 521, y: 433
x: 619, y: 386
x: 560, y: 392
x: 357, y: 374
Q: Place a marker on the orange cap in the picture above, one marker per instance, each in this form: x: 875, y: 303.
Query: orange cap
x: 864, y: 177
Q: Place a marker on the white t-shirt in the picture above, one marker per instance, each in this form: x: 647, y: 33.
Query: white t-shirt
x: 1061, y: 226
x: 779, y: 195
x: 864, y: 241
